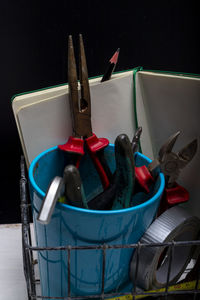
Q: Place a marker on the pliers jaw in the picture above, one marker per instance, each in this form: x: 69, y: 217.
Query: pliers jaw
x: 163, y: 160
x: 80, y: 107
x: 81, y: 114
x: 168, y: 146
x: 170, y: 162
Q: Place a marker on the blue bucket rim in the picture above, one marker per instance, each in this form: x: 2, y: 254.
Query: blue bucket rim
x: 93, y: 211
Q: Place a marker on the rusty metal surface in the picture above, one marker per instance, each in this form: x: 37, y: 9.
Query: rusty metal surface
x: 80, y: 106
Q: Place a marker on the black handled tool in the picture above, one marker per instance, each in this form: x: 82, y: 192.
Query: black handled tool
x: 120, y: 191
x: 125, y: 172
x: 118, y: 195
x: 74, y: 191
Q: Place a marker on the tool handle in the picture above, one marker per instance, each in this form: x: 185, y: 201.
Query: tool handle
x: 173, y: 196
x: 104, y: 200
x: 73, y: 145
x: 99, y: 167
x: 54, y: 192
x: 96, y: 146
x: 74, y: 190
x: 104, y: 164
x: 144, y: 177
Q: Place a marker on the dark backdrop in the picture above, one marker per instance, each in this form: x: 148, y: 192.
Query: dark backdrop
x: 33, y: 43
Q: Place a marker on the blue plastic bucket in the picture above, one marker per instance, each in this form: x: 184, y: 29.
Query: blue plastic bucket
x: 82, y: 227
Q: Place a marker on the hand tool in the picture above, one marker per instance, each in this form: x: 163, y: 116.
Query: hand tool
x: 74, y: 191
x: 170, y: 164
x: 111, y: 67
x: 81, y: 116
x: 70, y: 186
x: 54, y: 192
x: 125, y: 175
x: 138, y: 189
x: 139, y: 198
x: 117, y: 196
x: 136, y: 139
x: 120, y: 191
x: 104, y: 200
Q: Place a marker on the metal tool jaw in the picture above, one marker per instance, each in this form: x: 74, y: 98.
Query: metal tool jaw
x: 80, y: 106
x: 136, y: 139
x: 81, y: 113
x: 171, y: 164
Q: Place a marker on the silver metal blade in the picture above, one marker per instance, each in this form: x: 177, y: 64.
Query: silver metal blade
x: 54, y: 192
x: 167, y: 147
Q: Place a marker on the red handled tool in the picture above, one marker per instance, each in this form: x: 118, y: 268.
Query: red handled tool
x: 170, y: 164
x: 81, y: 116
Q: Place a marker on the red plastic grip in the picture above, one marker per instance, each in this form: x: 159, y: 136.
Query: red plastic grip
x: 102, y: 174
x: 144, y: 177
x: 176, y: 195
x: 173, y: 196
x: 95, y: 144
x: 74, y: 145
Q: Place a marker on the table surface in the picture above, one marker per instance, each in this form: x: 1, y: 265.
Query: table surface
x: 12, y: 281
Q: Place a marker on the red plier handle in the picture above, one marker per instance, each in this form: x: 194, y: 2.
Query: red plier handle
x: 144, y: 177
x: 94, y: 145
x: 171, y: 196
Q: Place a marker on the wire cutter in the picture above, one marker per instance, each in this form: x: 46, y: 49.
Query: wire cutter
x: 81, y: 116
x: 170, y: 164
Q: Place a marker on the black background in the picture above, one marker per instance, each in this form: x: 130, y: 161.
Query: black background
x: 160, y: 35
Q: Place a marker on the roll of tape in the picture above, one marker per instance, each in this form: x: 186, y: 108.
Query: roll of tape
x: 175, y: 224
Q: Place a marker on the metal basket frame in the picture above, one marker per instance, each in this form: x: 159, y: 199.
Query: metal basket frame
x: 29, y: 262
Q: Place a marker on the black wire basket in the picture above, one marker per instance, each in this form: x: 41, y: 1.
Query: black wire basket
x: 30, y: 261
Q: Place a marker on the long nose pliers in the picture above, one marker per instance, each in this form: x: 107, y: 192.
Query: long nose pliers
x: 81, y: 116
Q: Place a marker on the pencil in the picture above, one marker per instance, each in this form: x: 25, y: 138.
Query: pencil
x: 111, y: 66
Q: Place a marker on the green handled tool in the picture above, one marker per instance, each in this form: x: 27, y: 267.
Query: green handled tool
x: 74, y: 191
x: 119, y: 194
x: 125, y: 172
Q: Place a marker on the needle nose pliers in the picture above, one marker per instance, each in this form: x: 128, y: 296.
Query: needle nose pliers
x: 81, y: 116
